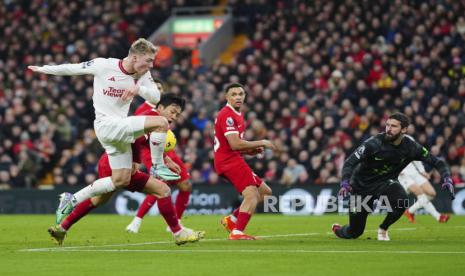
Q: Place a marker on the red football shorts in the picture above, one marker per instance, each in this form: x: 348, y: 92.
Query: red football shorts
x: 238, y: 172
x: 138, y: 179
x: 184, y: 174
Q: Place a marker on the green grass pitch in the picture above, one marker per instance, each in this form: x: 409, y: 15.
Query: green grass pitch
x: 290, y: 245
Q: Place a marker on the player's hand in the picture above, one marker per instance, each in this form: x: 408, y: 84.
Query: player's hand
x: 128, y: 94
x: 449, y: 186
x: 269, y: 145
x: 34, y: 68
x: 346, y: 189
x: 172, y: 165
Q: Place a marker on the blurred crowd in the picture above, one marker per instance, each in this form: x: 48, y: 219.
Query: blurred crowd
x: 321, y: 77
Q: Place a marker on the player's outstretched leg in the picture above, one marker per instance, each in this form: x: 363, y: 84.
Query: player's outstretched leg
x: 100, y: 186
x: 181, y: 234
x: 396, y: 197
x: 357, y: 222
x: 428, y: 189
x: 157, y: 147
x: 182, y: 200
x: 59, y: 231
x: 249, y: 204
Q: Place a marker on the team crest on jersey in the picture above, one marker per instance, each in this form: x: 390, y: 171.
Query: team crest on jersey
x: 360, y: 151
x: 229, y: 121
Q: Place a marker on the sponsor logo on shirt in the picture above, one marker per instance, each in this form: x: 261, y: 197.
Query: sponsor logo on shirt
x: 113, y: 92
x: 112, y: 79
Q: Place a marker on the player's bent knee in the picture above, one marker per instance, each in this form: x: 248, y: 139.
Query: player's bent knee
x: 157, y: 188
x: 429, y: 191
x: 156, y: 123
x: 121, y: 179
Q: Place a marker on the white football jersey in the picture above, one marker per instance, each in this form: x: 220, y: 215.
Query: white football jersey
x: 413, y: 169
x: 110, y: 81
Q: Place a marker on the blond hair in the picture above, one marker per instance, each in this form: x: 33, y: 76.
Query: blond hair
x: 142, y: 46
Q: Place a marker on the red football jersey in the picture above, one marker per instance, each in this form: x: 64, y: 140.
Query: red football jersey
x: 143, y: 108
x: 227, y: 122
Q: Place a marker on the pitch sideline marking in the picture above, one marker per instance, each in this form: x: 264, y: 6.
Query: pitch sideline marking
x: 261, y: 251
x: 85, y: 248
x: 69, y: 248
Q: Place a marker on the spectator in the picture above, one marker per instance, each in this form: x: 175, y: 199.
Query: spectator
x: 311, y: 72
x: 294, y: 173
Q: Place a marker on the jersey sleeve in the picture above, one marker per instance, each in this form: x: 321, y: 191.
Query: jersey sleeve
x: 364, y: 151
x: 422, y: 154
x: 91, y: 67
x: 228, y: 125
x: 148, y: 89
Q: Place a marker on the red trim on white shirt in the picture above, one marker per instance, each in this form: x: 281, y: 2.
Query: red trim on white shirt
x: 120, y: 64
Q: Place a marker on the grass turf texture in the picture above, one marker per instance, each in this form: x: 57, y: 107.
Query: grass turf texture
x: 296, y: 245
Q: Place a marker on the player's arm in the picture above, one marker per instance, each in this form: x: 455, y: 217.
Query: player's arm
x: 236, y: 143
x: 253, y: 152
x: 422, y: 154
x: 147, y: 89
x: 364, y: 151
x: 90, y: 67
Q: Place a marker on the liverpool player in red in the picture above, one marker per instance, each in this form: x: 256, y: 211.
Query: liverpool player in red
x: 229, y: 163
x: 168, y: 107
x: 139, y: 182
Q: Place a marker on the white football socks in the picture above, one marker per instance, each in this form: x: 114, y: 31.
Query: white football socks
x: 157, y: 147
x: 429, y: 207
x: 421, y: 201
x: 100, y: 186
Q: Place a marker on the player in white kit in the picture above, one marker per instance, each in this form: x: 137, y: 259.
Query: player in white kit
x: 415, y: 179
x: 116, y: 82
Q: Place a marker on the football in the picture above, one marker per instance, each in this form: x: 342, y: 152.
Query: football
x: 170, y: 141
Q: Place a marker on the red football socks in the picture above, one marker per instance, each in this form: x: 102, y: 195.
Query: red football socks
x: 146, y: 205
x: 242, y: 220
x: 181, y: 202
x: 79, y: 211
x: 236, y: 212
x: 166, y: 208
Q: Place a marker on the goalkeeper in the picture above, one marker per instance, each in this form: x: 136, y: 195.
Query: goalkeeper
x: 371, y: 173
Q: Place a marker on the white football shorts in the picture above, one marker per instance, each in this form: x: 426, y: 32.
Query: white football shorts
x: 116, y: 136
